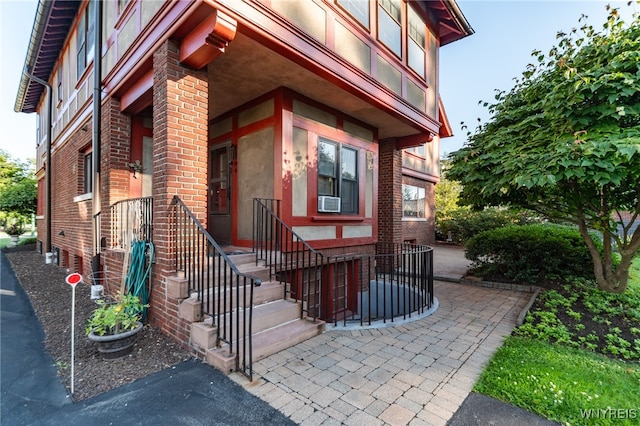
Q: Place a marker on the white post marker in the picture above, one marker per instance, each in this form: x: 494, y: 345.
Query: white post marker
x: 73, y: 280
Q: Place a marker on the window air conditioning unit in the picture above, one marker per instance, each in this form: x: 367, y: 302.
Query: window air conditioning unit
x: 329, y: 204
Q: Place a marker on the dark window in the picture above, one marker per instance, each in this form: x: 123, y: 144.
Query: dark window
x: 60, y: 88
x: 85, y: 37
x: 88, y: 173
x: 339, y: 182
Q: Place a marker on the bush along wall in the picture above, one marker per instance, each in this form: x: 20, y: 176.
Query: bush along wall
x: 465, y: 223
x: 531, y: 254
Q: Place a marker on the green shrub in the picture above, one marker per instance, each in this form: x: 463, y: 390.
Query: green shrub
x: 464, y: 223
x: 532, y: 254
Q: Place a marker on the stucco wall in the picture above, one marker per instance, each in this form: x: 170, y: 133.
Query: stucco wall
x: 255, y: 175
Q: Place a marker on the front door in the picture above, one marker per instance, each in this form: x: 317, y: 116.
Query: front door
x: 220, y: 193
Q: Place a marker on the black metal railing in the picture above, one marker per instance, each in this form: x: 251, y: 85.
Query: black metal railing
x: 131, y: 220
x: 376, y: 282
x: 225, y: 294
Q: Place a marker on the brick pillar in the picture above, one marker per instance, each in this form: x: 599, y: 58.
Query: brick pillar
x: 180, y: 138
x: 390, y: 193
x: 116, y: 147
x: 114, y: 177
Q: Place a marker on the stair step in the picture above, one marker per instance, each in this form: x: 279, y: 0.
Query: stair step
x: 267, y: 342
x: 265, y: 316
x: 267, y: 292
x: 243, y: 259
x: 278, y: 338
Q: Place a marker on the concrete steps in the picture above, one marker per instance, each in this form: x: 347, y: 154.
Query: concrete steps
x: 277, y: 322
x: 265, y: 343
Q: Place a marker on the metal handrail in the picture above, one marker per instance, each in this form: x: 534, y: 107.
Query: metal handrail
x: 225, y: 293
x: 383, y: 281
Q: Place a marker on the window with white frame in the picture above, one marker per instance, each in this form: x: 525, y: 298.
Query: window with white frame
x: 413, y: 201
x: 416, y: 42
x: 359, y: 9
x: 338, y: 174
x: 390, y: 24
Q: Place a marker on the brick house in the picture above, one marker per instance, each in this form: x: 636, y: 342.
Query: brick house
x: 294, y: 130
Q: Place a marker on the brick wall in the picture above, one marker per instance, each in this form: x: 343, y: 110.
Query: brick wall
x: 69, y: 217
x: 390, y: 193
x: 180, y: 120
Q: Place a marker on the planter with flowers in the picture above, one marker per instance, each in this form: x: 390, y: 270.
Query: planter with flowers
x: 115, y: 326
x: 14, y: 231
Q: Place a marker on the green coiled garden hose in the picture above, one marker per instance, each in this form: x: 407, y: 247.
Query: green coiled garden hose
x: 139, y: 269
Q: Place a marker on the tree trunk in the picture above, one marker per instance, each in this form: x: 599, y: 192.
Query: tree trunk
x: 610, y: 279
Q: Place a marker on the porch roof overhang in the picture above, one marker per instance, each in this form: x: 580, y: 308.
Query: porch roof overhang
x: 51, y: 27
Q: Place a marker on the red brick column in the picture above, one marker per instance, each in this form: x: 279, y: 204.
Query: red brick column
x: 390, y: 193
x: 114, y: 176
x: 180, y: 136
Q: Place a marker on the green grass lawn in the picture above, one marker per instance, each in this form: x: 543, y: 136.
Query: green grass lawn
x: 24, y: 239
x: 547, y: 366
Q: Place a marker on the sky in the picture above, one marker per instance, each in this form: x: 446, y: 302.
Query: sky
x: 471, y: 69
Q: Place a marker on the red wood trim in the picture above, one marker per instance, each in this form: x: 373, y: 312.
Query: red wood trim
x: 266, y: 27
x: 413, y: 140
x: 337, y: 218
x: 419, y: 175
x: 138, y: 96
x: 445, y: 129
x: 139, y: 55
x: 208, y: 40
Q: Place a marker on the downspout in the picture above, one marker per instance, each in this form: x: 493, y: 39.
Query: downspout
x: 95, y: 142
x: 49, y: 251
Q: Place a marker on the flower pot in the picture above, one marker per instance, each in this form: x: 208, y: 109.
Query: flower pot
x: 14, y: 240
x: 114, y: 346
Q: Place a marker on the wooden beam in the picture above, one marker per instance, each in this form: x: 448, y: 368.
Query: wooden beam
x: 208, y: 40
x: 413, y: 140
x: 139, y: 95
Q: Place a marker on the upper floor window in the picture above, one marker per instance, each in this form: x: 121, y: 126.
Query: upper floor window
x: 60, y: 87
x: 338, y: 174
x: 413, y: 201
x: 85, y: 38
x: 390, y: 24
x: 122, y: 5
x: 417, y: 150
x: 416, y: 42
x: 359, y: 9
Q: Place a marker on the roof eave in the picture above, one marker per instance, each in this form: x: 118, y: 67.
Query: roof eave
x: 50, y: 29
x: 460, y: 20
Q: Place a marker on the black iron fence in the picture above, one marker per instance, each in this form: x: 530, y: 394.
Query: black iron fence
x: 377, y: 282
x: 225, y: 294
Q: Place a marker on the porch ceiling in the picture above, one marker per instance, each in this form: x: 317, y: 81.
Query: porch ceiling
x: 249, y: 69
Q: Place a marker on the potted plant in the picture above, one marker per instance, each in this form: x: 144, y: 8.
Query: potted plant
x: 14, y: 231
x: 114, y: 326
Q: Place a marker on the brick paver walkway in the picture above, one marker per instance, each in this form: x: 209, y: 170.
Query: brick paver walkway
x: 415, y: 373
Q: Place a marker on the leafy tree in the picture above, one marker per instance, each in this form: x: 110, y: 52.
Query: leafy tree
x: 18, y: 189
x: 565, y: 142
x: 447, y: 194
